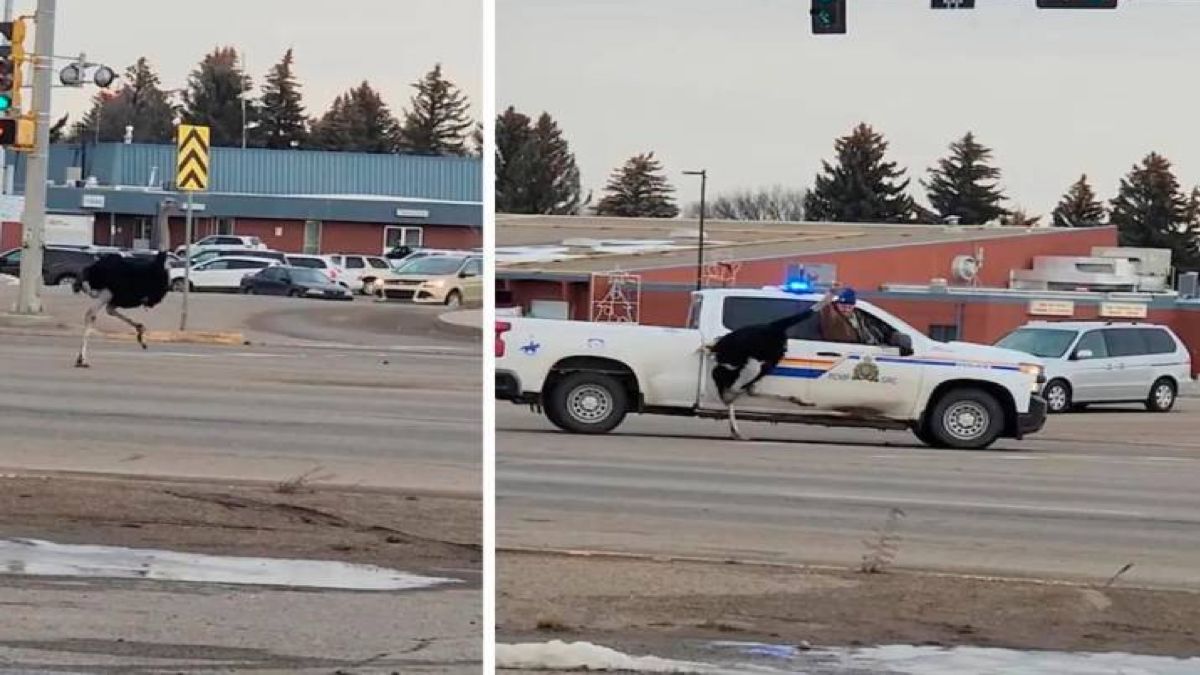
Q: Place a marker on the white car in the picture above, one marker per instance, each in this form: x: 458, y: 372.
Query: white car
x: 218, y: 274
x: 222, y: 242
x: 1099, y: 362
x: 321, y: 263
x: 588, y: 376
x: 361, y: 273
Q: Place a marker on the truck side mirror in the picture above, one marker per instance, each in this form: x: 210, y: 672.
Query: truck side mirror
x: 903, y: 341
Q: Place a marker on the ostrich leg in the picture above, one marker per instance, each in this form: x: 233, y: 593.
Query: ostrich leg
x: 89, y: 319
x: 141, y: 330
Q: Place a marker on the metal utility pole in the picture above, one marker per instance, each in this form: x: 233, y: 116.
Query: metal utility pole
x: 703, y: 173
x: 34, y: 235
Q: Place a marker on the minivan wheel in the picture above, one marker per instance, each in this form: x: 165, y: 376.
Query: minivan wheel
x: 1058, y: 396
x: 587, y: 403
x: 1162, y: 396
x: 966, y: 419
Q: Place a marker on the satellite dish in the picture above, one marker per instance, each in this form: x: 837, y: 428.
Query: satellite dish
x: 965, y: 268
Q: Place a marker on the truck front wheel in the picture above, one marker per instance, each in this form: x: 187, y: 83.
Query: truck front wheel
x: 587, y: 403
x: 966, y: 419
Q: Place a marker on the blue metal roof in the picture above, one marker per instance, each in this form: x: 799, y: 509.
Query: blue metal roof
x: 273, y: 172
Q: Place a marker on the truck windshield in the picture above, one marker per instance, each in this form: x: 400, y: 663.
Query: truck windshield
x: 1046, y: 343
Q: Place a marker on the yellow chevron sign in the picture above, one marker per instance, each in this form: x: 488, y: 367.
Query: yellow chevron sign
x: 191, y: 172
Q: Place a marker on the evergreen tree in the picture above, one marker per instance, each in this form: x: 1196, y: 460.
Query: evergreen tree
x: 535, y: 168
x: 438, y: 123
x: 1018, y: 217
x: 862, y: 187
x: 638, y: 190
x: 214, y: 97
x: 1079, y: 207
x: 281, y: 113
x: 777, y: 204
x: 1151, y: 212
x: 358, y: 121
x: 964, y: 184
x: 477, y: 140
x: 56, y: 130
x: 140, y: 103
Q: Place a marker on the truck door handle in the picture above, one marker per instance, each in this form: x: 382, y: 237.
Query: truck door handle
x: 828, y: 354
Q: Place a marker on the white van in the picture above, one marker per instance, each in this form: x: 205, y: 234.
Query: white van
x: 1106, y: 362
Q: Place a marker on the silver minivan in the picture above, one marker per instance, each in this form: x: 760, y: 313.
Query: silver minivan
x: 1105, y: 362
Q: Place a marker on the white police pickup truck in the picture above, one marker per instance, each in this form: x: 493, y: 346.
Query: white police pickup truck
x: 587, y: 376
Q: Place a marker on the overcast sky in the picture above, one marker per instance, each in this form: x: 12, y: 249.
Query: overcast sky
x: 337, y: 44
x: 742, y: 88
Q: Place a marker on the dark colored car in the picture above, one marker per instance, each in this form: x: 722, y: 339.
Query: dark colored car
x: 60, y: 264
x: 297, y: 282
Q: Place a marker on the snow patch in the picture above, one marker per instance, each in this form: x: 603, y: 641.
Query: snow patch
x: 585, y: 656
x: 42, y: 558
x: 913, y: 660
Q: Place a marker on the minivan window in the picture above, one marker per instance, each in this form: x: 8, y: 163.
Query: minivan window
x: 379, y: 263
x: 1157, y: 341
x: 354, y: 263
x: 1045, y: 343
x: 1094, y: 341
x: 1124, y: 342
x: 739, y: 312
x: 312, y: 263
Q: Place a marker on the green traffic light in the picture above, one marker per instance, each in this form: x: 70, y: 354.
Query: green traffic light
x: 5, y: 102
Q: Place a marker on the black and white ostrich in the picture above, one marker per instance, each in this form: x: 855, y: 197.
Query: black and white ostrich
x: 748, y: 354
x: 118, y: 282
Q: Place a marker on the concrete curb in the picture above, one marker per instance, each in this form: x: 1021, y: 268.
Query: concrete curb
x: 461, y: 322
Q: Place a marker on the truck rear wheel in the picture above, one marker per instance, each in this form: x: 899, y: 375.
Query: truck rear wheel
x: 587, y: 403
x: 966, y: 419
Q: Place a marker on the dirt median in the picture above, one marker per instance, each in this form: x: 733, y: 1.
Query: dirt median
x: 415, y: 532
x: 658, y: 604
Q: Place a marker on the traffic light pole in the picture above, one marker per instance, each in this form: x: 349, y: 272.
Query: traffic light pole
x: 8, y: 16
x: 34, y: 235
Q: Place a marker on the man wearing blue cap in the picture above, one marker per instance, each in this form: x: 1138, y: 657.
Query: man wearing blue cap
x: 839, y: 321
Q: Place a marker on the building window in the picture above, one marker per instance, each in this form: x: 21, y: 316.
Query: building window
x: 312, y: 237
x: 398, y: 235
x: 943, y: 333
x: 225, y: 225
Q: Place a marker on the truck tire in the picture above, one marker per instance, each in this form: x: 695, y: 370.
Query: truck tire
x: 966, y: 419
x: 587, y: 403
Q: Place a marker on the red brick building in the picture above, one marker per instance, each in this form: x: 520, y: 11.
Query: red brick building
x: 557, y: 260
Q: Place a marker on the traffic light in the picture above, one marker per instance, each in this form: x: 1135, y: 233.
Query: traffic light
x: 12, y: 56
x: 1077, y: 4
x: 17, y: 132
x: 828, y: 17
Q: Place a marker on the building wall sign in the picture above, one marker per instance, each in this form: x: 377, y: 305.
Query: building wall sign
x: 1051, y: 308
x: 1123, y: 310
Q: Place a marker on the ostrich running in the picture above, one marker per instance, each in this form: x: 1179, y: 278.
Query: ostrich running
x: 118, y: 282
x: 748, y: 354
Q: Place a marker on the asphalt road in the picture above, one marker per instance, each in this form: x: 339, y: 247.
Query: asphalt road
x: 407, y: 417
x: 353, y: 393
x: 1091, y: 493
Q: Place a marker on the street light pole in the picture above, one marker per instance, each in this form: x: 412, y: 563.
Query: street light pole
x: 703, y: 173
x: 33, y: 238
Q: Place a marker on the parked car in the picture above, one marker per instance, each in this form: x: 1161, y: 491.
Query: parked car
x: 218, y: 274
x: 445, y: 279
x: 61, y: 265
x: 398, y: 263
x: 1099, y: 362
x: 223, y: 242
x: 296, y: 282
x: 204, y: 256
x: 321, y: 263
x: 362, y: 273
